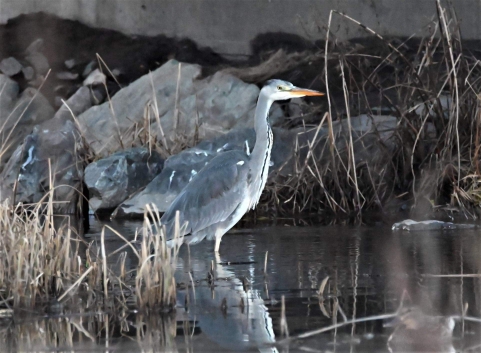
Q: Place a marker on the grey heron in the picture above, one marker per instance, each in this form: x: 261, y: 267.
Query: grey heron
x: 231, y: 183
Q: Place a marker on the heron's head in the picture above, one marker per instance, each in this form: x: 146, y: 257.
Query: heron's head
x: 281, y: 90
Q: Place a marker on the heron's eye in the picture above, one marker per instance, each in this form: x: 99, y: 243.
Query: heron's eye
x: 280, y: 88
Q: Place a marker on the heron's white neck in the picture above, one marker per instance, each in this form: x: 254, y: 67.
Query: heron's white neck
x: 261, y: 154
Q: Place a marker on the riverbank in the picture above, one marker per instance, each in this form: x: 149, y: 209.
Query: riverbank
x: 399, y: 128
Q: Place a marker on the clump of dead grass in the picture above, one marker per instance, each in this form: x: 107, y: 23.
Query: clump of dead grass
x: 44, y: 260
x: 431, y: 86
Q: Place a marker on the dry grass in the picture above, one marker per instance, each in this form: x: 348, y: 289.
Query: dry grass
x: 38, y: 260
x: 431, y: 86
x: 44, y: 260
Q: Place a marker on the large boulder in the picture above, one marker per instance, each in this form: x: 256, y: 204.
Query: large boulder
x: 18, y: 115
x: 51, y: 152
x: 180, y: 169
x: 79, y: 102
x: 111, y: 180
x: 186, y: 105
x: 372, y: 138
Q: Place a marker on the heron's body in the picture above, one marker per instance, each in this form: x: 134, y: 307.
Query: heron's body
x: 231, y: 183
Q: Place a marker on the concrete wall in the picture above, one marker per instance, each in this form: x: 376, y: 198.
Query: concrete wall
x: 228, y: 25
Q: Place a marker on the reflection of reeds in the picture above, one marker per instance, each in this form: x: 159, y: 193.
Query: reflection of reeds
x: 153, y: 333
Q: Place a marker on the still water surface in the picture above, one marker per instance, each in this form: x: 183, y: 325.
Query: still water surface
x: 234, y: 305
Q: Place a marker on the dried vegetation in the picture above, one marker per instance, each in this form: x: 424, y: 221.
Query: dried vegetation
x: 44, y: 262
x: 431, y: 86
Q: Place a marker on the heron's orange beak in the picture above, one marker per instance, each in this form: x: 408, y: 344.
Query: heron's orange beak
x: 301, y: 92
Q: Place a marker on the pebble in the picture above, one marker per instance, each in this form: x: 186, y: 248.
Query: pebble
x: 28, y: 73
x: 95, y: 78
x: 70, y: 63
x: 10, y: 66
x: 66, y: 75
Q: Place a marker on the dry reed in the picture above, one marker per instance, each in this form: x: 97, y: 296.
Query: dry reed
x: 430, y: 86
x: 44, y: 260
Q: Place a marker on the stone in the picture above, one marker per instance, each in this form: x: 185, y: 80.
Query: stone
x: 35, y: 47
x: 51, y: 152
x: 95, y: 78
x: 276, y: 115
x: 88, y: 68
x: 70, y: 63
x: 429, y: 225
x: 116, y: 72
x: 8, y: 97
x: 18, y: 115
x: 112, y: 180
x: 66, y: 75
x: 28, y: 73
x: 210, y: 106
x: 220, y: 102
x: 58, y: 101
x: 10, y: 66
x: 98, y: 95
x: 79, y: 102
x: 180, y: 169
x: 443, y: 103
x: 372, y: 137
x: 39, y: 62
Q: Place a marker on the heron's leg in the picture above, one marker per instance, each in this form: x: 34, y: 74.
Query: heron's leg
x: 217, y: 244
x: 217, y: 258
x: 218, y: 237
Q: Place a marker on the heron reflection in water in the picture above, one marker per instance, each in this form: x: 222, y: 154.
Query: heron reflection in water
x: 231, y: 183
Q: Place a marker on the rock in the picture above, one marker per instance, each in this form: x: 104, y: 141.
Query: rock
x: 66, y: 75
x: 384, y: 125
x: 8, y: 97
x: 35, y: 47
x: 59, y: 88
x: 95, y: 78
x: 88, y: 69
x: 368, y: 131
x: 79, y: 102
x: 100, y: 129
x: 10, y: 66
x: 372, y: 137
x: 295, y: 107
x: 70, y: 63
x: 56, y: 141
x: 276, y: 115
x: 18, y: 115
x: 442, y: 104
x: 162, y: 190
x: 216, y: 104
x: 98, y: 95
x: 181, y: 168
x: 28, y: 73
x: 58, y: 102
x: 410, y: 225
x: 111, y: 180
x: 221, y: 102
x: 39, y: 63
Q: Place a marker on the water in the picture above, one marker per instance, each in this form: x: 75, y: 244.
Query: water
x: 369, y: 269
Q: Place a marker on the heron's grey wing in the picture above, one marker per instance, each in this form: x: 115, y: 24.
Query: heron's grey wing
x: 212, y: 195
